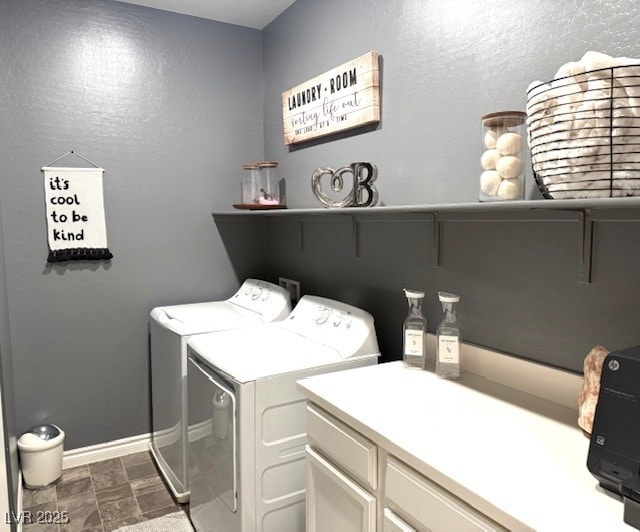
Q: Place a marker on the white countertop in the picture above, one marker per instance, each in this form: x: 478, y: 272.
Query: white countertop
x: 515, y: 457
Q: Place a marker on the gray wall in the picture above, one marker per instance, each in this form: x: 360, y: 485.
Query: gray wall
x: 6, y: 379
x: 171, y: 106
x: 518, y: 280
x: 444, y: 64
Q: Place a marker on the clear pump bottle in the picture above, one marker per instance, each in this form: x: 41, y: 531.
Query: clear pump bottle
x: 414, y: 329
x: 448, y: 359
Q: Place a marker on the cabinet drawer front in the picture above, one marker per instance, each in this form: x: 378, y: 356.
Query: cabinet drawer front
x: 348, y: 449
x: 392, y: 523
x: 334, y: 501
x: 428, y: 504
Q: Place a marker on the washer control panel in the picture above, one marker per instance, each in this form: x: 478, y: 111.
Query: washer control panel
x: 271, y: 301
x: 347, y: 329
x: 332, y: 317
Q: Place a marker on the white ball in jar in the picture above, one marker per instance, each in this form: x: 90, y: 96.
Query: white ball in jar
x: 490, y: 182
x: 489, y: 159
x: 511, y: 189
x: 509, y: 144
x: 491, y: 136
x: 509, y: 167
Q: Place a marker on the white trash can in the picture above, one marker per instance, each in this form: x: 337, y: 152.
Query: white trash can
x: 41, y: 455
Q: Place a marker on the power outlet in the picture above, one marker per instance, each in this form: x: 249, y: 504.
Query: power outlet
x: 292, y: 286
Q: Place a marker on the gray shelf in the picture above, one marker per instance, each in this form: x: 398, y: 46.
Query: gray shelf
x: 496, y: 206
x: 583, y: 212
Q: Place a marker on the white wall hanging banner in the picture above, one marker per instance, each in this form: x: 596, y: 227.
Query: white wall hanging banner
x: 76, y: 228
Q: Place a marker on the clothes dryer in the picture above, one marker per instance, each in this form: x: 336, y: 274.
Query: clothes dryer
x: 247, y: 428
x: 171, y: 326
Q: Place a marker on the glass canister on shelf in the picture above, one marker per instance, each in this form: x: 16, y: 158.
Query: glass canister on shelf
x: 503, y: 153
x: 250, y: 184
x: 269, y: 190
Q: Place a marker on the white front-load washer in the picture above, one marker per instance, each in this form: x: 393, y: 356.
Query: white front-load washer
x: 247, y: 430
x: 255, y: 302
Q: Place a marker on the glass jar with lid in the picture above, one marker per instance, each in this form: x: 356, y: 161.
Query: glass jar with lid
x: 269, y: 190
x: 502, y: 162
x: 250, y: 183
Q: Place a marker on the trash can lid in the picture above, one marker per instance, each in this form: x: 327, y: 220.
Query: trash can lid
x: 45, y: 432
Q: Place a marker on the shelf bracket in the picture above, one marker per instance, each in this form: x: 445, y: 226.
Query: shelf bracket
x: 585, y: 246
x: 354, y: 235
x: 300, y: 234
x: 437, y: 233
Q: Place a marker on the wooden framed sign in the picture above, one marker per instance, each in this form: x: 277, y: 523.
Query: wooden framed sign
x: 345, y: 97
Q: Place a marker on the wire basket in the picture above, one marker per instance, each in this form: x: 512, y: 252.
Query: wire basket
x: 584, y: 134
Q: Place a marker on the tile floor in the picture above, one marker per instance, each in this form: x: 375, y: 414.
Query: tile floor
x: 103, y: 496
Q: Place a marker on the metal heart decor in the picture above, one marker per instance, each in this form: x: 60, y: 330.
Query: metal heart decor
x: 363, y: 193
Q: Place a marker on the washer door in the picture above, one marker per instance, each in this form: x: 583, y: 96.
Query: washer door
x: 169, y: 407
x: 212, y: 436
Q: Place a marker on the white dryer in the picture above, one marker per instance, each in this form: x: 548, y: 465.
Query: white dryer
x: 247, y: 430
x: 254, y: 303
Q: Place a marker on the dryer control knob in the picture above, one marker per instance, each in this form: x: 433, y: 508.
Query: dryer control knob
x: 256, y: 293
x: 322, y: 315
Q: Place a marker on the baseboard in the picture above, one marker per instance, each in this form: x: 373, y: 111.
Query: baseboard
x: 104, y: 451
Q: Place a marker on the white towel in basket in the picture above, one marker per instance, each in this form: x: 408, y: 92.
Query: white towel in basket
x: 577, y: 117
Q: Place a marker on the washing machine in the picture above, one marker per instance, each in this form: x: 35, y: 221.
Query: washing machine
x: 247, y: 427
x: 255, y: 302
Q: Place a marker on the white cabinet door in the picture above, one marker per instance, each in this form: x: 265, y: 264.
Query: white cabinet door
x: 334, y: 501
x: 392, y: 523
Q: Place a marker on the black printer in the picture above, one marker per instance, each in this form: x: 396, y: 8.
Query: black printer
x: 614, y: 450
